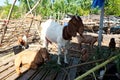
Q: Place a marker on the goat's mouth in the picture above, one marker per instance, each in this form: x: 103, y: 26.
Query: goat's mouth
x: 75, y: 34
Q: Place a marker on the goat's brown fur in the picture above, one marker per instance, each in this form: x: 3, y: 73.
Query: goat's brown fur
x: 21, y: 41
x: 112, y: 44
x: 87, y: 39
x: 31, y: 59
x: 85, y: 54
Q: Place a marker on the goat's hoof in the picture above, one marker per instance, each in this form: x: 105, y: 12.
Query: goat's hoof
x: 66, y: 62
x: 59, y: 63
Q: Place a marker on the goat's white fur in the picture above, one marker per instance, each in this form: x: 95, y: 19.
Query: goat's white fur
x: 54, y: 33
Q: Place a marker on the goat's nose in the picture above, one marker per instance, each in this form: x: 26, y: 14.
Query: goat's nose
x: 46, y: 60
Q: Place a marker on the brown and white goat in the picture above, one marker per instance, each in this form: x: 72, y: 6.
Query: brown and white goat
x: 31, y: 59
x: 87, y: 39
x: 61, y: 35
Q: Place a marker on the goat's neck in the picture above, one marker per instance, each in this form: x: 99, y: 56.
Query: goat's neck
x: 39, y: 57
x: 66, y: 33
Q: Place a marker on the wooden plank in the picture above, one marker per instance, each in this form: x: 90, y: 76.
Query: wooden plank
x: 62, y: 74
x: 3, y: 68
x: 12, y: 77
x: 51, y: 76
x: 15, y: 76
x: 7, y: 72
x: 40, y: 74
x: 7, y: 60
x: 73, y: 71
x: 28, y: 74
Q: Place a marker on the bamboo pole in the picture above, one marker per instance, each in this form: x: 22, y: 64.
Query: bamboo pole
x: 29, y: 6
x: 7, y: 22
x: 33, y: 7
x: 30, y: 11
x: 30, y: 25
x: 86, y: 63
x: 97, y: 67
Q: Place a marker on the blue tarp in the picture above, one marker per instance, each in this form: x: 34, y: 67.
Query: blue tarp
x: 97, y: 3
x: 52, y: 1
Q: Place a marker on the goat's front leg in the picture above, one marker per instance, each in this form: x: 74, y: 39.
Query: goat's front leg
x: 65, y: 56
x: 59, y: 52
x: 45, y: 43
x: 65, y: 49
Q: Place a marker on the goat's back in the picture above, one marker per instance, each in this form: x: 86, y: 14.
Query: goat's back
x: 27, y: 56
x: 51, y: 30
x: 86, y: 39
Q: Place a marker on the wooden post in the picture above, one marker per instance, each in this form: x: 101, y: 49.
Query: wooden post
x: 7, y: 22
x: 101, y: 27
x: 33, y: 7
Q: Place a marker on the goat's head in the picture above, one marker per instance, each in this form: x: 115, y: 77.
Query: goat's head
x: 21, y: 41
x: 76, y: 26
x: 44, y: 53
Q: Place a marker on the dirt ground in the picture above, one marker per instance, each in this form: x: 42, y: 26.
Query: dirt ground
x: 106, y: 38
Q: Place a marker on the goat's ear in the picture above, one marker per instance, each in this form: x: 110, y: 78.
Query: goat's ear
x: 70, y: 15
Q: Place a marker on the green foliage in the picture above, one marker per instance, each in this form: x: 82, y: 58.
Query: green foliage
x: 5, y: 11
x: 46, y: 8
x: 112, y: 7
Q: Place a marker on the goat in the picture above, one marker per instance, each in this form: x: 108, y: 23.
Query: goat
x: 112, y: 44
x: 31, y: 59
x: 61, y: 35
x: 23, y: 41
x: 87, y: 39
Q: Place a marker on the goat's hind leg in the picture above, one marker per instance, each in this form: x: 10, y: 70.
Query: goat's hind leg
x: 17, y: 65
